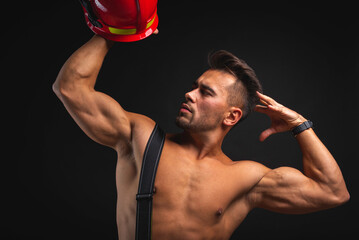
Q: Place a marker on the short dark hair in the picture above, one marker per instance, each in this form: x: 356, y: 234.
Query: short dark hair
x: 243, y: 92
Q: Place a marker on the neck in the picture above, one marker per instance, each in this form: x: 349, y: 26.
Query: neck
x: 203, y: 144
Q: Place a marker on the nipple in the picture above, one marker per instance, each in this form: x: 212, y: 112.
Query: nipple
x: 154, y: 190
x: 219, y: 212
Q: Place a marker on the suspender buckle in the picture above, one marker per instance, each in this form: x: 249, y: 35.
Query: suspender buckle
x: 144, y: 196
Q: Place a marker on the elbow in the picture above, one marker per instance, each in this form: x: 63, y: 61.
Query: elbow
x: 73, y: 75
x: 340, y: 198
x: 63, y: 92
x: 66, y: 83
x: 343, y: 194
x: 345, y: 197
x: 56, y: 88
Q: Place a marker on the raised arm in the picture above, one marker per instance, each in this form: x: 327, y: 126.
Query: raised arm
x: 97, y: 114
x: 287, y: 190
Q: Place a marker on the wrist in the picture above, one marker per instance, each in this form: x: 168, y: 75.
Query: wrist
x: 302, y: 127
x: 102, y: 41
x: 300, y: 120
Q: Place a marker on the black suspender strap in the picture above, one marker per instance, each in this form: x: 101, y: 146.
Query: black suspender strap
x: 150, y: 161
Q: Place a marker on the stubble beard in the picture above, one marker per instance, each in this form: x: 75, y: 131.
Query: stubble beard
x: 203, y: 124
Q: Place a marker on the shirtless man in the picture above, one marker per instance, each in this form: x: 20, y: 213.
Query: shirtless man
x: 199, y: 192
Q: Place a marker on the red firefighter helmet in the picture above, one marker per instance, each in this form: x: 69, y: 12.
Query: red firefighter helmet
x: 121, y: 20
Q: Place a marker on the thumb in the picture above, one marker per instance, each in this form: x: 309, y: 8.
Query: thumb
x: 266, y: 133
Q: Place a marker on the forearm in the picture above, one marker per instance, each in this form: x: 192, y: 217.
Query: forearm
x: 321, y: 185
x: 83, y: 66
x: 320, y: 165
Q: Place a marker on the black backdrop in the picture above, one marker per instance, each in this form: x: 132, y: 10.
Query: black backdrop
x: 60, y: 185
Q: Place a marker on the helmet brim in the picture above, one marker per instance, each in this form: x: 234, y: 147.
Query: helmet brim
x: 123, y: 37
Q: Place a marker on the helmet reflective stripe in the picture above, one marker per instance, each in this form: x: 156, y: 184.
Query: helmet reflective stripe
x: 124, y: 31
x: 151, y: 22
x: 128, y: 31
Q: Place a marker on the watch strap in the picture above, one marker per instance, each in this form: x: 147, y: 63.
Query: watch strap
x: 302, y: 127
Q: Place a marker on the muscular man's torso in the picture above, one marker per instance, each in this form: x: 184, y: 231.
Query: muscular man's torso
x: 194, y: 199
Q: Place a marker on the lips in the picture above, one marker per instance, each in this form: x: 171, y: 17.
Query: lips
x: 185, y: 107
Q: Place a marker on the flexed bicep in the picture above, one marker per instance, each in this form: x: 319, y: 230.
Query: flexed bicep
x: 287, y: 190
x: 99, y: 116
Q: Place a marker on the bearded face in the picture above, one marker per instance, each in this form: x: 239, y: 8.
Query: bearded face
x: 205, y: 119
x: 206, y: 104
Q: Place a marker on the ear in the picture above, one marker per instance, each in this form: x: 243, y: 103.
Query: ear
x: 232, y: 116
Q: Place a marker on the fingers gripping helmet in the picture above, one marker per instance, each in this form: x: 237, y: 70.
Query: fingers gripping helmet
x: 121, y: 20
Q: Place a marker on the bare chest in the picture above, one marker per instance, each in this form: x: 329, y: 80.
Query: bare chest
x: 192, y: 196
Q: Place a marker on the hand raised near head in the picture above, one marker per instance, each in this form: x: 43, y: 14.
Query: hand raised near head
x: 282, y: 118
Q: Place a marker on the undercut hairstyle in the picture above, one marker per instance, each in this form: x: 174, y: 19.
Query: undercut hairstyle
x: 242, y: 93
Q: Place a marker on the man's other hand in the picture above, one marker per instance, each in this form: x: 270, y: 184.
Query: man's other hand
x: 282, y: 118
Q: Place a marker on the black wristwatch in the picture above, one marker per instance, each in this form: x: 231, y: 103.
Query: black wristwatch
x: 302, y: 127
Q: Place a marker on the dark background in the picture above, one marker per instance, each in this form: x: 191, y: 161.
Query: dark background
x: 59, y: 184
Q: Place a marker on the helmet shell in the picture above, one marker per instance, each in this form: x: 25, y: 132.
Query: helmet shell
x: 121, y: 20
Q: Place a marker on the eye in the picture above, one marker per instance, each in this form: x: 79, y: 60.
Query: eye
x: 205, y: 92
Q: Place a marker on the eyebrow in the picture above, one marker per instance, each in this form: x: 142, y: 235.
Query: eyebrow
x: 205, y: 86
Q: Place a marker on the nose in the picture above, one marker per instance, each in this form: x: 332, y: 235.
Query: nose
x: 190, y: 96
